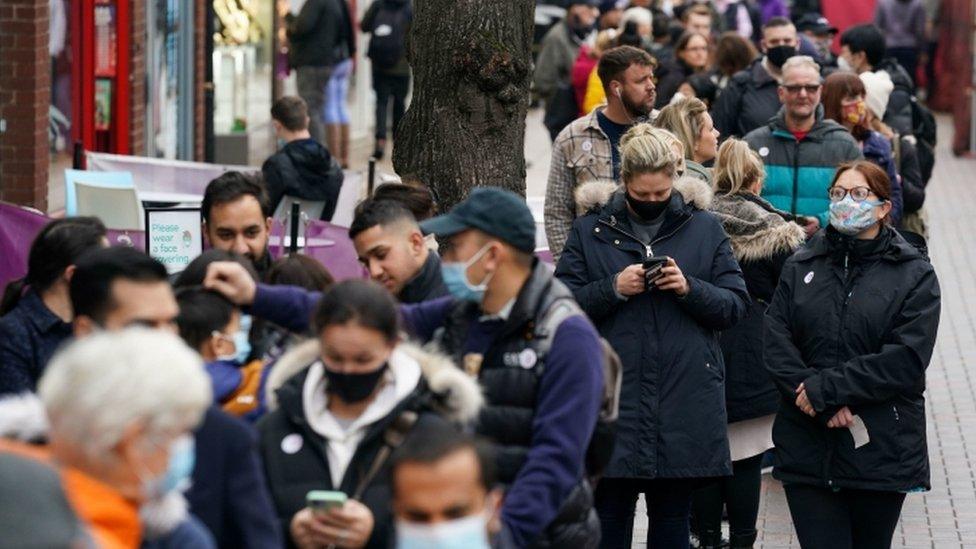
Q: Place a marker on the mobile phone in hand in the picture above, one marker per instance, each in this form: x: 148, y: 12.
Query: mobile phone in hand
x: 323, y: 501
x: 652, y: 270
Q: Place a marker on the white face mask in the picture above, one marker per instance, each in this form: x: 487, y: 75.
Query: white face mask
x: 469, y: 532
x: 843, y: 65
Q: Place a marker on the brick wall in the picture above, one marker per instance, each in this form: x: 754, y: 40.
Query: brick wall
x: 25, y: 89
x: 137, y: 78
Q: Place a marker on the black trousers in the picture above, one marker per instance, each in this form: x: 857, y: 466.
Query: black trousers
x: 845, y: 519
x: 739, y: 494
x: 389, y: 87
x: 668, y: 506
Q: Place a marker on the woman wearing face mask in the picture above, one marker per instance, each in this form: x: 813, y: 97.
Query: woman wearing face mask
x: 671, y: 431
x: 337, y: 403
x: 690, y: 57
x: 848, y: 336
x: 689, y: 121
x: 120, y: 409
x: 844, y: 102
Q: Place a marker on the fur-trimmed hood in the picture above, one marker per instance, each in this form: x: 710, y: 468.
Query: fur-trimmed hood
x: 459, y: 394
x: 595, y: 195
x: 756, y: 229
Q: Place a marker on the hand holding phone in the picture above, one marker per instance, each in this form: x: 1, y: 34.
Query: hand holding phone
x: 653, y: 270
x: 323, y: 501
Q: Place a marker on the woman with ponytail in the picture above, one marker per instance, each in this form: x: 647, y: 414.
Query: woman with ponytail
x: 35, y: 315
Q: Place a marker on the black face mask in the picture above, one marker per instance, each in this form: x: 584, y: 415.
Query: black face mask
x: 647, y: 209
x: 779, y: 54
x: 352, y: 388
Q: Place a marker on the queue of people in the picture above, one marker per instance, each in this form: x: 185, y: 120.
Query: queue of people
x: 735, y: 275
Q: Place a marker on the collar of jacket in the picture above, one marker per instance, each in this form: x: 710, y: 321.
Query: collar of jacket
x: 529, y: 300
x: 615, y: 215
x: 756, y: 229
x: 821, y: 126
x: 888, y: 246
x: 430, y: 273
x: 760, y: 76
x: 38, y: 313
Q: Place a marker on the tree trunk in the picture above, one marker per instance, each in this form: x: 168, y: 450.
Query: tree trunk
x: 465, y: 127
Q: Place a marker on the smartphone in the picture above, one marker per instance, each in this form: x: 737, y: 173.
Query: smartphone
x: 652, y: 270
x: 322, y: 501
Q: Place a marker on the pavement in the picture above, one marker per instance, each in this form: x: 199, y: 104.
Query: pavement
x: 945, y: 517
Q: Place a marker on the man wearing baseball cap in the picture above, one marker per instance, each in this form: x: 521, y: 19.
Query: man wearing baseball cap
x: 816, y: 29
x: 516, y: 328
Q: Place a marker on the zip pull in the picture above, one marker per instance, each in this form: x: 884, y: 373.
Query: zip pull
x: 650, y: 252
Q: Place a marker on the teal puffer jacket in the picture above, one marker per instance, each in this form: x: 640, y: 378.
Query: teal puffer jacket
x: 798, y: 173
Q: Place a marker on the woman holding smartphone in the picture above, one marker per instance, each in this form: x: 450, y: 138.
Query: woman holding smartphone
x: 849, y: 334
x: 340, y: 404
x: 663, y: 322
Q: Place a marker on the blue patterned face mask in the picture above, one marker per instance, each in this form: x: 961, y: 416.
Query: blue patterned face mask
x: 851, y: 217
x: 455, y: 277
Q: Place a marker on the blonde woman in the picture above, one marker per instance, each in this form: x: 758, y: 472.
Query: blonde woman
x: 689, y: 121
x: 762, y: 239
x: 655, y: 273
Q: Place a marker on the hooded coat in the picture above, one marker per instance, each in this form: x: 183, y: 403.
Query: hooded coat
x: 798, y: 173
x: 672, y: 421
x: 296, y: 457
x: 303, y: 169
x: 762, y: 240
x: 855, y: 322
x: 748, y: 102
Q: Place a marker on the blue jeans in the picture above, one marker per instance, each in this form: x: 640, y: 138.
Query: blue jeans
x: 336, y: 111
x: 668, y: 506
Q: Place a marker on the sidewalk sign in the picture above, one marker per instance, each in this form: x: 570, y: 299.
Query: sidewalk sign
x: 174, y: 236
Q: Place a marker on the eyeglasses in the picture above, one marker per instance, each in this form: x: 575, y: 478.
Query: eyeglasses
x: 797, y: 88
x: 858, y: 194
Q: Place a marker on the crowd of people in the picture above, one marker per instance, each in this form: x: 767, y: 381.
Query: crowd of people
x: 740, y: 274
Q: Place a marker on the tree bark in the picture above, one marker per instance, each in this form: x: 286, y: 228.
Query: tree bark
x: 465, y: 127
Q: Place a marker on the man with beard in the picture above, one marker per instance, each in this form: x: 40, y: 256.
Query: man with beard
x: 237, y: 217
x: 801, y: 148
x: 751, y: 97
x: 586, y: 150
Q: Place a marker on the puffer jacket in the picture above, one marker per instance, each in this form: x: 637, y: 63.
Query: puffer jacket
x: 898, y: 114
x: 294, y: 454
x: 748, y: 102
x: 762, y: 240
x: 798, y: 173
x: 672, y: 420
x: 855, y: 322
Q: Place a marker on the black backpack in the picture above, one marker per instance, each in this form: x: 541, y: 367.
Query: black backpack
x: 923, y: 128
x: 387, y: 44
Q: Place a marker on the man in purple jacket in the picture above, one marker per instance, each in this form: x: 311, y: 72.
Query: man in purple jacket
x: 543, y: 391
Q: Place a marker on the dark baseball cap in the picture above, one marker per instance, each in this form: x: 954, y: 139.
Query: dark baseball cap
x: 815, y: 23
x: 493, y: 211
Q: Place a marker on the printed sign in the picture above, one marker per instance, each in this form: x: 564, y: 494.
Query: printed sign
x: 174, y: 236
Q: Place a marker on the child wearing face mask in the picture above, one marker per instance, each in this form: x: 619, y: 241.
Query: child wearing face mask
x: 218, y: 330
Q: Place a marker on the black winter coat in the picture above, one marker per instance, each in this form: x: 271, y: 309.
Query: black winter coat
x: 293, y: 469
x: 316, y: 34
x: 304, y: 169
x: 748, y: 102
x: 855, y: 322
x: 670, y: 77
x: 672, y: 404
x: 898, y: 114
x: 762, y: 239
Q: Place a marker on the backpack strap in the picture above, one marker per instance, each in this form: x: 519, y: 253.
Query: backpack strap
x: 393, y: 437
